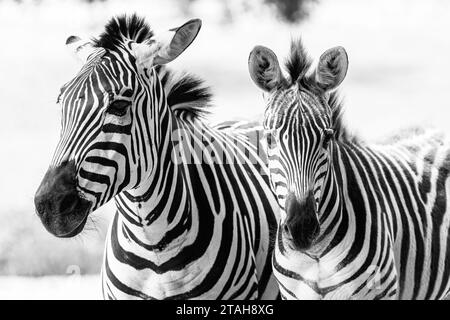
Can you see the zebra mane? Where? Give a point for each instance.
(341, 132)
(297, 65)
(121, 28)
(186, 94)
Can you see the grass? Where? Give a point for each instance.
(26, 249)
(51, 288)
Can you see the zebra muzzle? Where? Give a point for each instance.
(62, 211)
(301, 226)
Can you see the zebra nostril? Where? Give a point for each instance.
(40, 208)
(68, 203)
(43, 204)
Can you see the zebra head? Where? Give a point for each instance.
(298, 126)
(111, 120)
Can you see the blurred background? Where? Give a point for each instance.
(398, 76)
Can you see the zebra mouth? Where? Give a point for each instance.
(75, 231)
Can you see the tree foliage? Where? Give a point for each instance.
(291, 10)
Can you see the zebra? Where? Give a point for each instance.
(358, 220)
(189, 224)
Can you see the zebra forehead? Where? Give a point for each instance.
(302, 107)
(314, 109)
(90, 78)
(104, 72)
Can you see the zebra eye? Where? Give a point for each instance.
(118, 107)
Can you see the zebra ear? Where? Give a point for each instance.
(79, 47)
(332, 68)
(173, 42)
(264, 68)
(166, 46)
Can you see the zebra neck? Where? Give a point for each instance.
(338, 217)
(161, 202)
